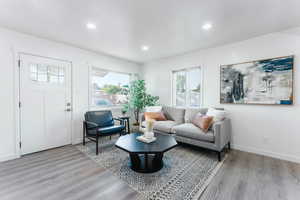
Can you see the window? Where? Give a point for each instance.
(47, 73)
(109, 88)
(187, 87)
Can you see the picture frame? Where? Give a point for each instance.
(259, 82)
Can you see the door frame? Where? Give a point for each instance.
(17, 76)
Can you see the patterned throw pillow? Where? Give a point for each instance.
(203, 122)
(158, 116)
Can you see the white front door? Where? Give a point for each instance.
(45, 97)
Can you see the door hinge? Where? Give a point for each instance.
(20, 144)
(19, 63)
(20, 104)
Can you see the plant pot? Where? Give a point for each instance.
(135, 128)
(136, 124)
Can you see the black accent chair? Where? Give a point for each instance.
(101, 124)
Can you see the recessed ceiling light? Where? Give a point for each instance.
(91, 26)
(207, 26)
(145, 48)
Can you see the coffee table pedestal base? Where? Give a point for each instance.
(146, 163)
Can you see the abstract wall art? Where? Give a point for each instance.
(268, 81)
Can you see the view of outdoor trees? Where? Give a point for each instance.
(110, 89)
(180, 88)
(188, 87)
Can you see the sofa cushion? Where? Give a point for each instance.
(189, 130)
(164, 126)
(174, 114)
(158, 116)
(190, 113)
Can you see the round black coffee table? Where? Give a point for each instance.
(146, 158)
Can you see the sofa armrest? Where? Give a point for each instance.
(121, 121)
(222, 132)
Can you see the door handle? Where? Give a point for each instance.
(68, 110)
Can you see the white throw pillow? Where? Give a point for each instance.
(153, 109)
(219, 115)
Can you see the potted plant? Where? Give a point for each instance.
(139, 99)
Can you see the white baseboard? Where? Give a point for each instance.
(8, 157)
(77, 141)
(267, 153)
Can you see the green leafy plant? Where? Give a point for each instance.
(125, 108)
(139, 99)
(112, 89)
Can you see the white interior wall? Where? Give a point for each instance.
(268, 130)
(11, 43)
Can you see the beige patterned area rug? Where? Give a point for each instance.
(186, 173)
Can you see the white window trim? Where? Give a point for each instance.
(90, 73)
(173, 93)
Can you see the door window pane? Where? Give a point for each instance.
(47, 73)
(53, 73)
(33, 72)
(61, 78)
(42, 73)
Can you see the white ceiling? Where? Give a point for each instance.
(169, 27)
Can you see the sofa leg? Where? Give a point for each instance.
(97, 145)
(229, 146)
(219, 156)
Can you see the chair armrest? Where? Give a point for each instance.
(91, 124)
(120, 120)
(222, 132)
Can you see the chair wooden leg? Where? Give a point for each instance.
(83, 137)
(97, 145)
(229, 146)
(219, 156)
(128, 127)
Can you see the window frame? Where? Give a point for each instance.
(187, 95)
(90, 88)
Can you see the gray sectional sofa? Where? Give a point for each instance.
(179, 124)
